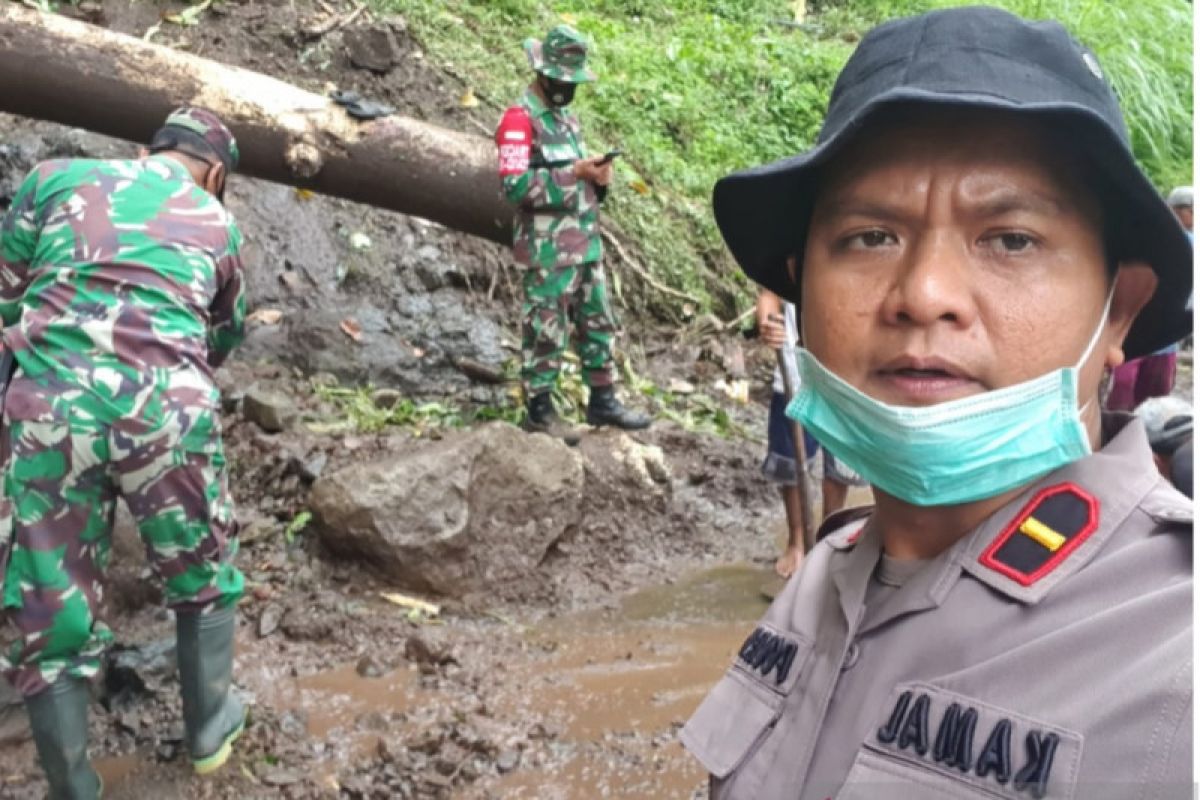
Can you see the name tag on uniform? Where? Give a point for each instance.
(977, 743)
(773, 658)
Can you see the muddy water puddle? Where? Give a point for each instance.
(612, 687)
(115, 769)
(337, 699)
(620, 684)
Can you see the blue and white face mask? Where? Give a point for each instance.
(953, 452)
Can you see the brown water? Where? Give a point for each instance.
(114, 770)
(338, 698)
(615, 685)
(621, 684)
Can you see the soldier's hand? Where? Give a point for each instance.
(773, 331)
(585, 169)
(603, 173)
(590, 169)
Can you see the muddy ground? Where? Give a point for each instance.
(573, 689)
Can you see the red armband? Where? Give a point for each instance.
(514, 138)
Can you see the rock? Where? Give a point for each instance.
(135, 673)
(369, 667)
(166, 751)
(14, 722)
(546, 730)
(268, 410)
(311, 469)
(389, 752)
(294, 724)
(478, 371)
(91, 12)
(386, 398)
(373, 49)
(128, 587)
(508, 761)
(614, 452)
(374, 721)
(128, 720)
(256, 530)
(230, 400)
(656, 464)
(303, 627)
(291, 280)
(269, 619)
(482, 736)
(419, 651)
(449, 759)
(678, 386)
(279, 776)
(477, 510)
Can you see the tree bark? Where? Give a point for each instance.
(57, 69)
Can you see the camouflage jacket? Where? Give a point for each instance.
(120, 288)
(558, 216)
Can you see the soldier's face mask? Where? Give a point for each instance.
(559, 93)
(953, 452)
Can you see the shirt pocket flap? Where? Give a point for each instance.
(732, 721)
(875, 775)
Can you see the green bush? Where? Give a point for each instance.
(693, 89)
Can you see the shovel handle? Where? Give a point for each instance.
(802, 480)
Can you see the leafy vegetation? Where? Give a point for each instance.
(357, 405)
(297, 525)
(693, 89)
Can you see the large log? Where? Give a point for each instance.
(57, 69)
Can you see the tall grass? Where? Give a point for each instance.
(693, 89)
(1145, 49)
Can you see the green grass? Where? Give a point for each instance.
(693, 89)
(1145, 48)
(356, 405)
(354, 408)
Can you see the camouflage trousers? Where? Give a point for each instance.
(61, 481)
(555, 298)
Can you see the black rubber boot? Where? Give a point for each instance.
(58, 717)
(605, 409)
(540, 417)
(212, 716)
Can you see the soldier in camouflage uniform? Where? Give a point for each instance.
(120, 293)
(556, 236)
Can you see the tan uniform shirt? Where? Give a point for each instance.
(1050, 658)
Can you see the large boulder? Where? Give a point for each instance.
(475, 511)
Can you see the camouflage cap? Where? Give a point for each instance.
(561, 56)
(209, 127)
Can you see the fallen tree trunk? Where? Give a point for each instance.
(56, 69)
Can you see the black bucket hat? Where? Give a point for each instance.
(975, 57)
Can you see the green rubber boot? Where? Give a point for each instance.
(58, 717)
(213, 718)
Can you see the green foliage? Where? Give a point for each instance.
(1145, 49)
(298, 524)
(694, 89)
(356, 406)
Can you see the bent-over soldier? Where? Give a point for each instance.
(121, 292)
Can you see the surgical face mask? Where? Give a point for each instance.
(559, 93)
(953, 452)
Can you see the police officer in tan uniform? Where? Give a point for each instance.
(975, 246)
